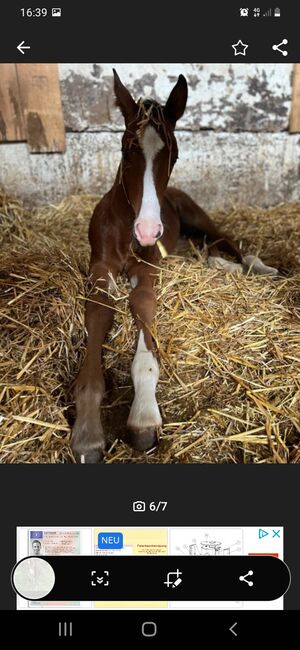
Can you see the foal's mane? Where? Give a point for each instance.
(149, 111)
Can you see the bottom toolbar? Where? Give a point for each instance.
(176, 627)
(192, 578)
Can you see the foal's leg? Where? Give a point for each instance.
(250, 264)
(215, 261)
(194, 219)
(88, 441)
(144, 417)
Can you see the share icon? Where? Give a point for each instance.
(244, 578)
(277, 47)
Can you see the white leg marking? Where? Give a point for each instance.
(134, 281)
(255, 265)
(82, 458)
(224, 265)
(144, 411)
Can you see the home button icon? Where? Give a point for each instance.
(149, 628)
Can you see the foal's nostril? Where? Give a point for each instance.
(137, 230)
(158, 234)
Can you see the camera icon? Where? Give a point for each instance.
(139, 506)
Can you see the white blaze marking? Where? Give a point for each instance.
(151, 144)
(144, 411)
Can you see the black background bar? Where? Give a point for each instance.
(70, 495)
(156, 32)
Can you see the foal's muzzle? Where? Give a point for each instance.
(147, 232)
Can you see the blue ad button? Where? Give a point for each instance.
(110, 540)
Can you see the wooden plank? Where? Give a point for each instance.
(294, 126)
(41, 101)
(11, 114)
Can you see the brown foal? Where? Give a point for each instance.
(126, 224)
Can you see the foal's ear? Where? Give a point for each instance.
(176, 103)
(124, 100)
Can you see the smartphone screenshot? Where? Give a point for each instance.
(150, 332)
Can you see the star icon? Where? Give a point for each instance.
(240, 48)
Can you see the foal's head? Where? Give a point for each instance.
(149, 152)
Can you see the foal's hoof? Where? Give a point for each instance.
(143, 439)
(253, 264)
(92, 456)
(87, 443)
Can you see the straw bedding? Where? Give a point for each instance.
(228, 345)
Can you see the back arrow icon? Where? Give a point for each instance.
(231, 629)
(21, 47)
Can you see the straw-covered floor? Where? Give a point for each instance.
(228, 345)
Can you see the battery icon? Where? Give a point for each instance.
(277, 12)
